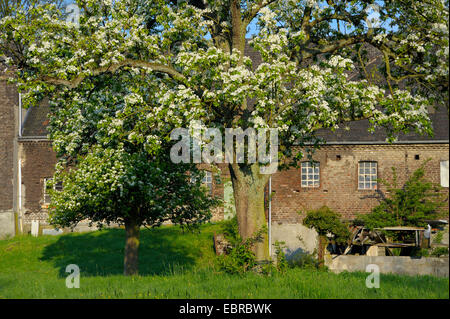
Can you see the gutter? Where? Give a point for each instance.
(382, 143)
(33, 138)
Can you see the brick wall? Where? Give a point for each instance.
(38, 161)
(8, 103)
(339, 178)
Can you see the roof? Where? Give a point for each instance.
(358, 131)
(35, 121)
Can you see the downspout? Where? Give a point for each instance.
(19, 168)
(20, 114)
(20, 196)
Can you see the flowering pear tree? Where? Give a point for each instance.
(185, 61)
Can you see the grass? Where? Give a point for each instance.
(174, 264)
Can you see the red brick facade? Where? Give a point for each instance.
(8, 103)
(38, 161)
(338, 187)
(8, 158)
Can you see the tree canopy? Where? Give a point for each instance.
(185, 61)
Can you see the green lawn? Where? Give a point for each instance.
(173, 264)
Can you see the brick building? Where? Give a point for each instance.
(344, 178)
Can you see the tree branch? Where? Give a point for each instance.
(251, 14)
(157, 67)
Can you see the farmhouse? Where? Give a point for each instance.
(344, 176)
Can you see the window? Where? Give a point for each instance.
(310, 174)
(367, 177)
(57, 187)
(444, 173)
(206, 181)
(46, 194)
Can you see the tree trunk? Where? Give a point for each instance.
(130, 264)
(248, 189)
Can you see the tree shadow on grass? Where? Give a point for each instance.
(100, 253)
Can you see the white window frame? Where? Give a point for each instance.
(46, 196)
(207, 181)
(310, 174)
(367, 177)
(444, 173)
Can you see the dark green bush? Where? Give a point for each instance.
(325, 221)
(230, 230)
(439, 251)
(305, 260)
(420, 252)
(240, 258)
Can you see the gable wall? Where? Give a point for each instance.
(8, 146)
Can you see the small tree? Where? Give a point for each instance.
(325, 221)
(408, 205)
(114, 186)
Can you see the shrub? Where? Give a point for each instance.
(419, 252)
(325, 221)
(230, 230)
(282, 263)
(240, 258)
(305, 260)
(439, 251)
